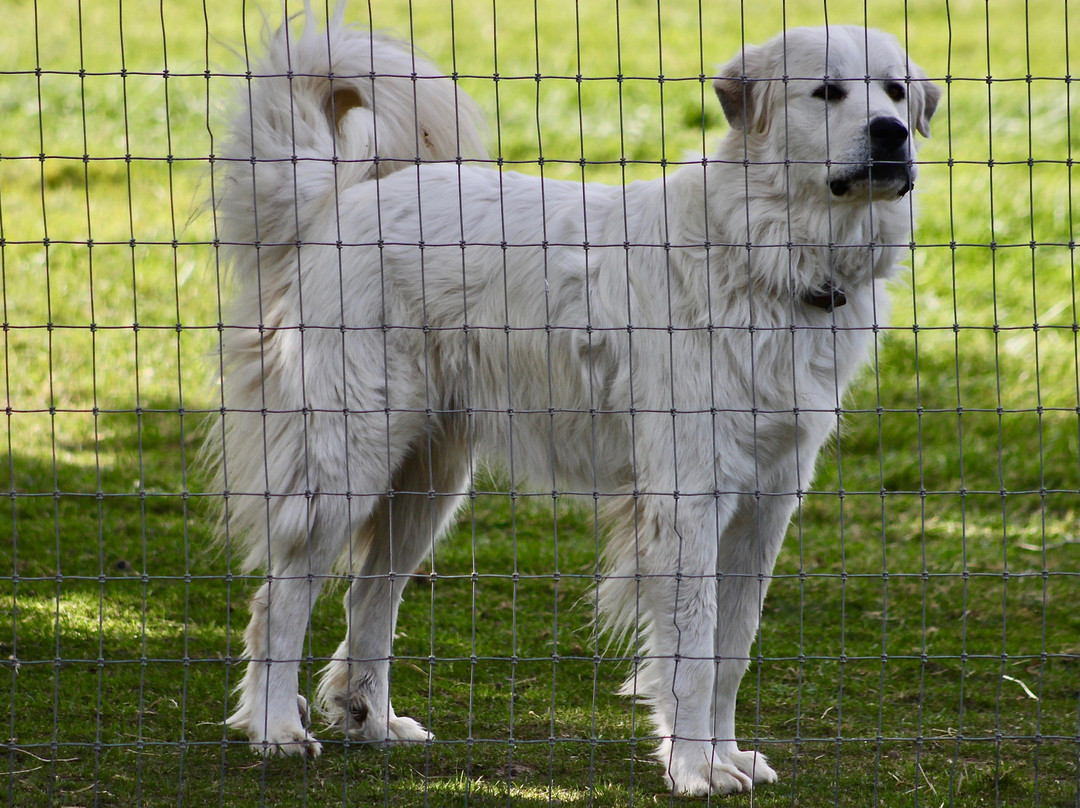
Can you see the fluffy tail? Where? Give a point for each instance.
(322, 110)
(325, 109)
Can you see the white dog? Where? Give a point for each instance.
(678, 348)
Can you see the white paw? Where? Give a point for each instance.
(404, 730)
(697, 769)
(279, 735)
(286, 742)
(351, 713)
(752, 764)
(396, 729)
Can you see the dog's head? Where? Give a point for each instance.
(838, 105)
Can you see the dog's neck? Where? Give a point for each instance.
(835, 249)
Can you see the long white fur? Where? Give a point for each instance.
(404, 310)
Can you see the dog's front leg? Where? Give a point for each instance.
(746, 555)
(678, 595)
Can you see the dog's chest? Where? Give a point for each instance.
(781, 383)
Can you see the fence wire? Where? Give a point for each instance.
(919, 643)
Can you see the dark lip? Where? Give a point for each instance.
(892, 178)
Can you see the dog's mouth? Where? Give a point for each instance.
(880, 179)
(884, 169)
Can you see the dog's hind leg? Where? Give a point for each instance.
(354, 693)
(271, 711)
(319, 493)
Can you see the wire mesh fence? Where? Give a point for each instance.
(919, 643)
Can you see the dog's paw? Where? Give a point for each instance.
(392, 729)
(752, 764)
(696, 768)
(280, 735)
(701, 774)
(351, 714)
(287, 742)
(405, 730)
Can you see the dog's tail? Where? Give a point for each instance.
(323, 110)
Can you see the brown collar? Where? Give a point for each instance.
(826, 297)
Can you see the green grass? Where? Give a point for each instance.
(951, 680)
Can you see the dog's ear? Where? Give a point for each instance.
(924, 98)
(742, 88)
(930, 96)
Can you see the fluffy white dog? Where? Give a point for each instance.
(678, 348)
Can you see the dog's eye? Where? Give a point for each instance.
(830, 91)
(895, 90)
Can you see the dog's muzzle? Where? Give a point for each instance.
(887, 170)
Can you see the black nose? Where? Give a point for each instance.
(887, 134)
